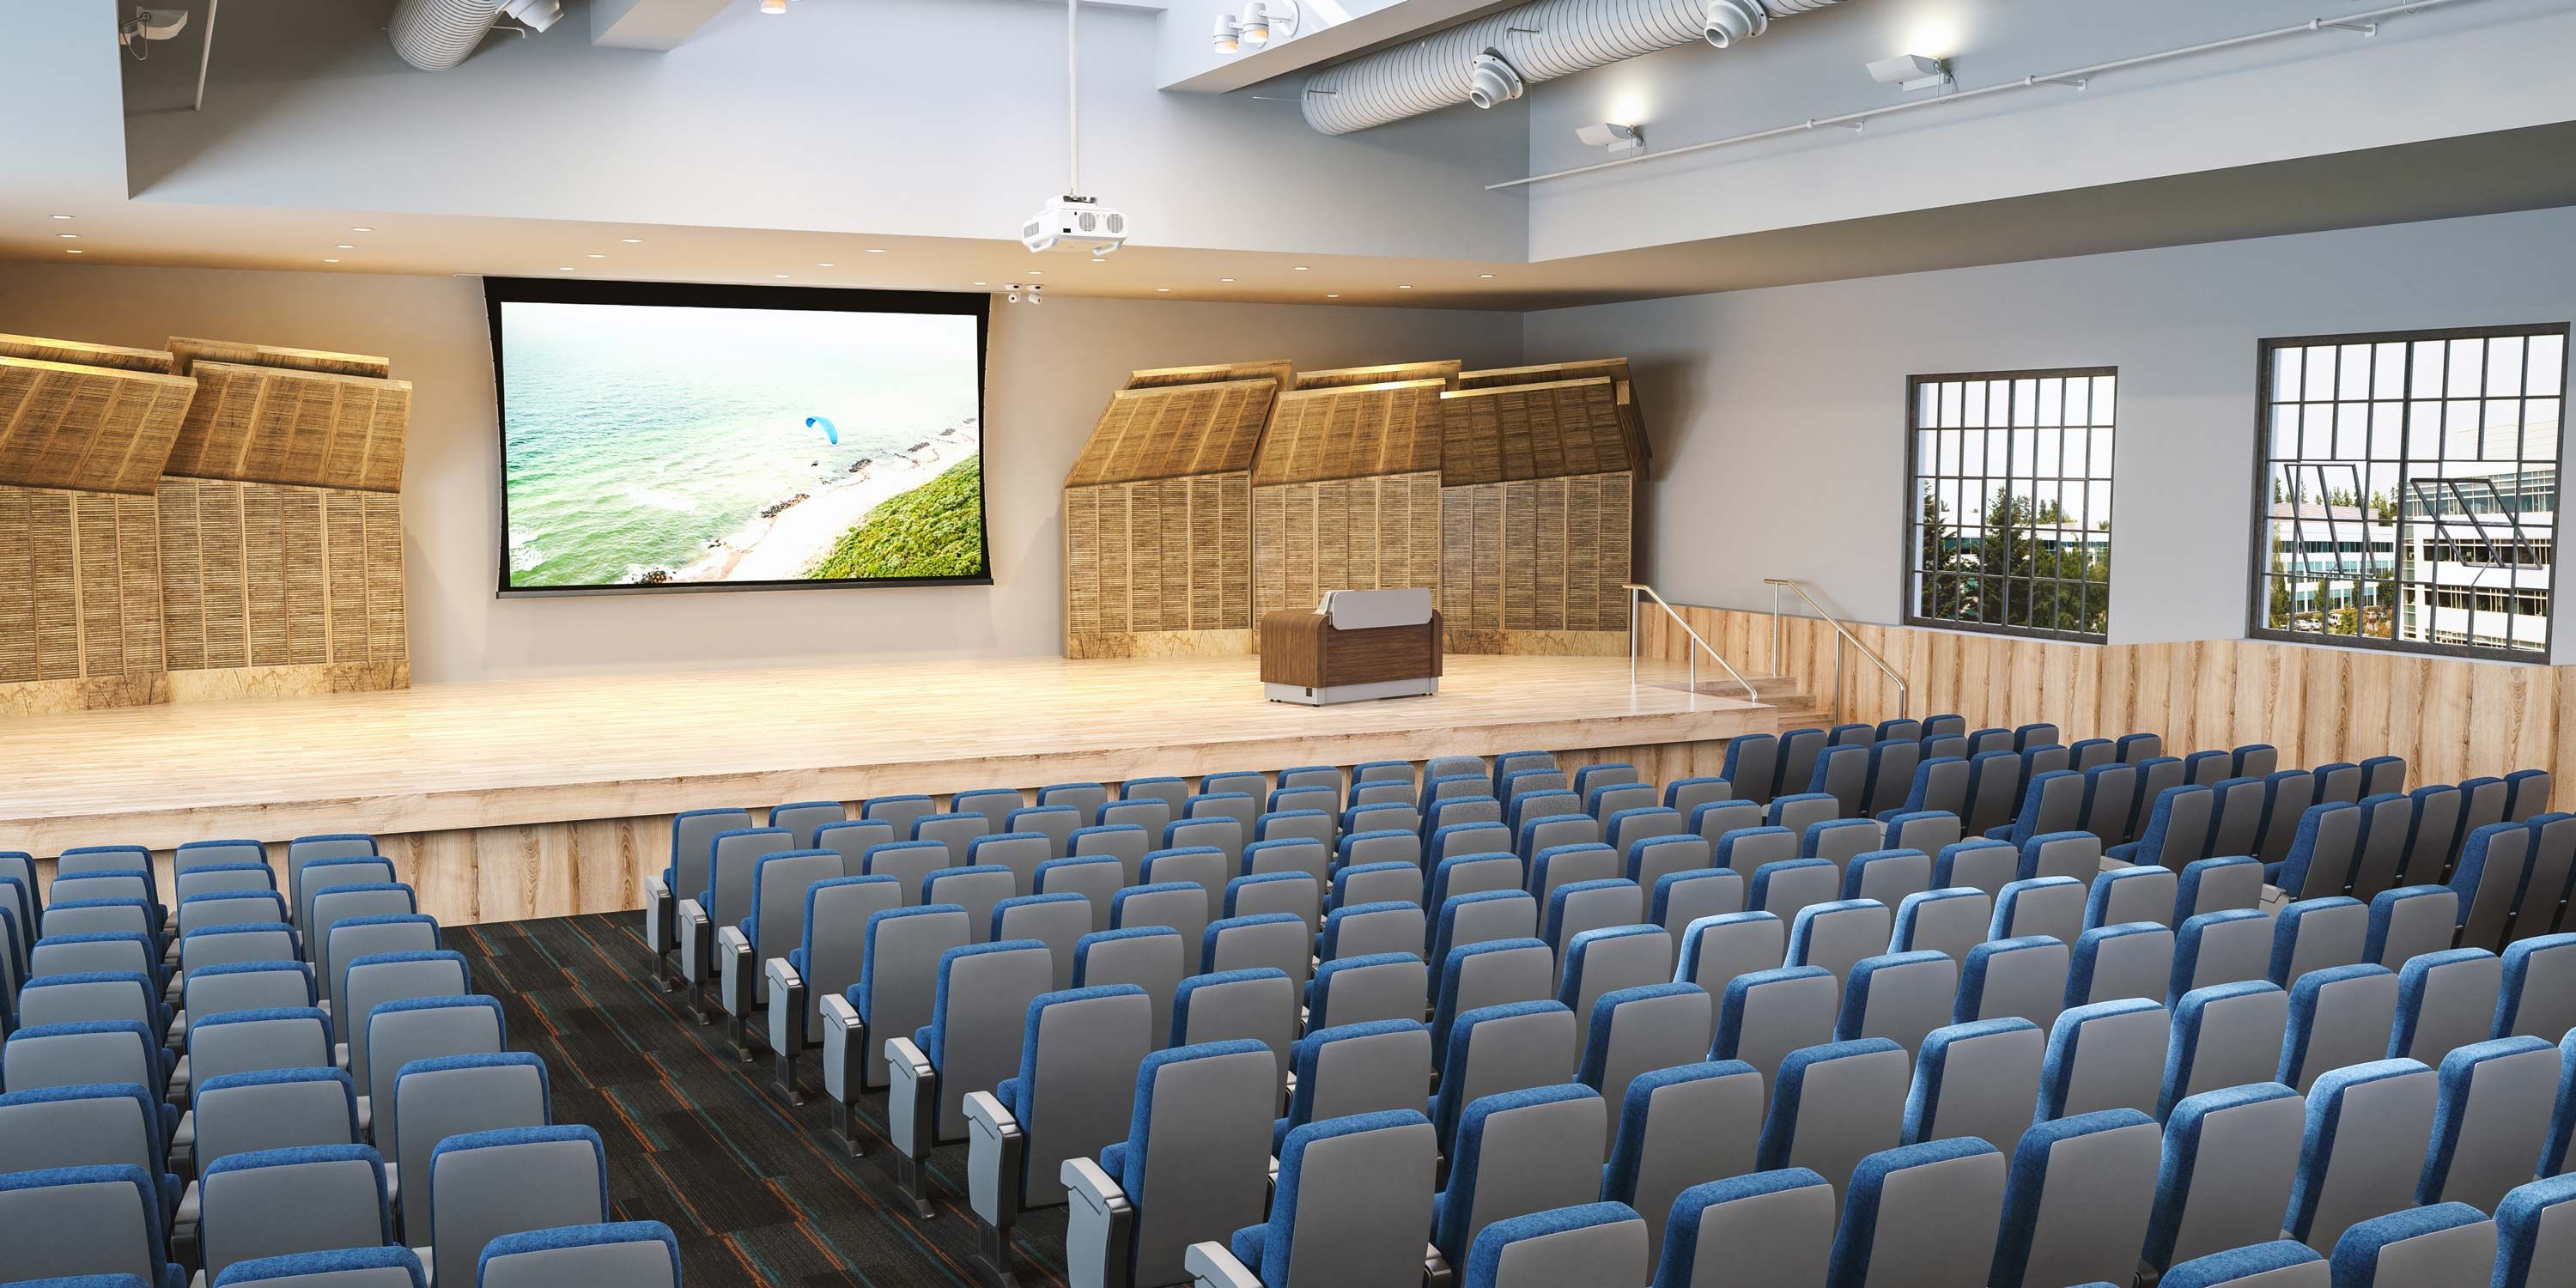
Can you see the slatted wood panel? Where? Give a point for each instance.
(79, 590)
(88, 428)
(1340, 432)
(188, 351)
(1159, 555)
(1274, 370)
(1537, 555)
(1172, 431)
(1344, 534)
(261, 575)
(87, 355)
(1547, 430)
(275, 425)
(2451, 719)
(1445, 371)
(1623, 391)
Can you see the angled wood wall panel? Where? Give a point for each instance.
(87, 428)
(274, 425)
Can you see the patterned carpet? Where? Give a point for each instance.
(699, 1142)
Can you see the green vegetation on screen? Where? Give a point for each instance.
(935, 530)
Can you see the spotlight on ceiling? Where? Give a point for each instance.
(773, 6)
(1911, 72)
(1260, 23)
(1617, 140)
(1229, 35)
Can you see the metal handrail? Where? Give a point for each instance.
(1842, 636)
(1637, 588)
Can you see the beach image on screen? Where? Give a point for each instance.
(649, 445)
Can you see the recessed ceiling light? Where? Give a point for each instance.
(72, 250)
(62, 216)
(362, 230)
(876, 250)
(328, 260)
(344, 246)
(1162, 290)
(1332, 295)
(1037, 272)
(1298, 269)
(782, 277)
(1484, 275)
(632, 241)
(1098, 260)
(565, 269)
(1225, 279)
(599, 257)
(983, 283)
(826, 264)
(1406, 286)
(68, 236)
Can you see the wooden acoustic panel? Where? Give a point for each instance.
(1274, 370)
(75, 353)
(1632, 421)
(79, 586)
(1175, 431)
(1545, 555)
(1549, 430)
(263, 575)
(96, 429)
(1351, 431)
(1445, 371)
(1344, 534)
(188, 351)
(276, 425)
(1158, 555)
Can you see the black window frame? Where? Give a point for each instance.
(1908, 567)
(2258, 569)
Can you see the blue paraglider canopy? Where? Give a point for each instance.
(828, 430)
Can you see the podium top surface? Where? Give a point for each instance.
(1360, 610)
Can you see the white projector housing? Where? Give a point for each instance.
(1072, 222)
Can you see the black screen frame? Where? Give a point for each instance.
(498, 291)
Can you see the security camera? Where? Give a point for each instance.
(1728, 21)
(1072, 222)
(1492, 79)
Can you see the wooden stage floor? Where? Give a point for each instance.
(538, 755)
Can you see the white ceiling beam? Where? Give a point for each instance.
(650, 24)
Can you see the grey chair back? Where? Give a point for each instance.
(2437, 825)
(1097, 878)
(2493, 1111)
(334, 873)
(1930, 831)
(1058, 921)
(1299, 896)
(1532, 1154)
(105, 1126)
(1680, 898)
(424, 1029)
(334, 906)
(1765, 1015)
(898, 812)
(2024, 977)
(2106, 1055)
(2369, 1126)
(1717, 818)
(1834, 1105)
(2051, 906)
(2488, 888)
(851, 839)
(2217, 948)
(835, 940)
(1084, 798)
(994, 803)
(214, 880)
(279, 1202)
(235, 944)
(900, 977)
(306, 850)
(2550, 862)
(489, 1184)
(2110, 793)
(957, 831)
(1635, 1031)
(1950, 921)
(2288, 794)
(2410, 921)
(2233, 1156)
(735, 853)
(693, 836)
(1360, 1069)
(982, 1002)
(199, 854)
(2077, 1203)
(352, 939)
(2339, 1017)
(255, 986)
(1363, 1200)
(400, 977)
(2445, 1001)
(1077, 1081)
(1254, 1004)
(1152, 958)
(281, 1109)
(1021, 852)
(978, 890)
(1376, 986)
(1683, 1126)
(38, 1057)
(452, 1096)
(1506, 972)
(1279, 941)
(1181, 905)
(2380, 845)
(2237, 817)
(1217, 1106)
(231, 908)
(624, 1255)
(104, 1220)
(778, 919)
(1209, 867)
(1978, 1079)
(910, 863)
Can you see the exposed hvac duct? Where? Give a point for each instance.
(1489, 60)
(434, 35)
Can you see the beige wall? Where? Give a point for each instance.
(1050, 370)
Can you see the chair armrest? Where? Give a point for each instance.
(657, 915)
(786, 1007)
(1435, 1268)
(912, 1098)
(696, 936)
(845, 1045)
(1099, 1228)
(994, 1148)
(734, 970)
(1212, 1266)
(188, 1206)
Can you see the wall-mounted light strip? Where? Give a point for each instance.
(2365, 24)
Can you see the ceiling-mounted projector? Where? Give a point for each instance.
(1072, 222)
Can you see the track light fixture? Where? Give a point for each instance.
(1911, 72)
(1618, 140)
(1262, 22)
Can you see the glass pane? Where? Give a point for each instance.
(2424, 378)
(2052, 402)
(2548, 363)
(2105, 394)
(2387, 430)
(2079, 401)
(1974, 394)
(2352, 368)
(2388, 371)
(1949, 406)
(2467, 364)
(2504, 366)
(2285, 372)
(2321, 374)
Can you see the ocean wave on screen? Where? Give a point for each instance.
(659, 499)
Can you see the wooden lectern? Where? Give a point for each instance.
(1356, 645)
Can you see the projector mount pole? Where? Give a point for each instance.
(1072, 100)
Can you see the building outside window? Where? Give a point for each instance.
(2409, 490)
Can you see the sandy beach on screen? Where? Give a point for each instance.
(787, 545)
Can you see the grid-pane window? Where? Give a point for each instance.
(2410, 489)
(2010, 527)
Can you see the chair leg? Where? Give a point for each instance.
(907, 1178)
(993, 1253)
(741, 1040)
(784, 1079)
(845, 1130)
(662, 973)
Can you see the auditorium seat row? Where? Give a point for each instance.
(343, 1107)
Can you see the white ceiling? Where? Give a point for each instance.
(531, 159)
